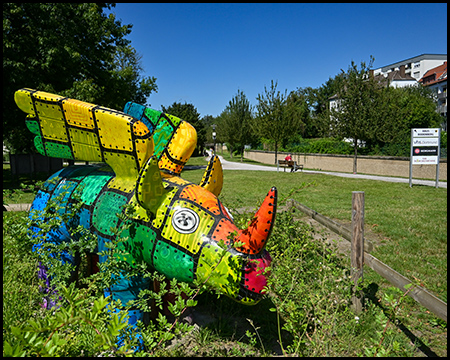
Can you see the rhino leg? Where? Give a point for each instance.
(127, 290)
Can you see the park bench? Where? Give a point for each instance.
(289, 164)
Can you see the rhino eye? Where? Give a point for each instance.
(185, 221)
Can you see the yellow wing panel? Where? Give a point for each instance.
(24, 102)
(73, 129)
(114, 130)
(79, 113)
(85, 145)
(53, 129)
(50, 110)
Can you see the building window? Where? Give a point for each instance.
(416, 65)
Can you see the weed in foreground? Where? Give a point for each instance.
(82, 321)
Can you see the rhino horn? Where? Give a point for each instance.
(260, 227)
(213, 177)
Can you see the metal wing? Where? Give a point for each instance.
(72, 129)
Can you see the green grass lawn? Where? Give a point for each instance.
(411, 223)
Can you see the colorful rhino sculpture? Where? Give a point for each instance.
(139, 155)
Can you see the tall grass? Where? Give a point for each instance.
(306, 311)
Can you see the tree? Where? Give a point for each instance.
(320, 109)
(72, 49)
(307, 99)
(357, 116)
(189, 113)
(276, 118)
(413, 107)
(407, 108)
(235, 125)
(372, 111)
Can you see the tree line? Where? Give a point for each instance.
(71, 49)
(369, 112)
(95, 63)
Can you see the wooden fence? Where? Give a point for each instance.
(25, 164)
(360, 257)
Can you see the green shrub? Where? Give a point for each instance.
(319, 146)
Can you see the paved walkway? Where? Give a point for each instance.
(17, 207)
(230, 165)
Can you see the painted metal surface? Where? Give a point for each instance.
(139, 155)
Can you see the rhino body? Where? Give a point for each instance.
(176, 225)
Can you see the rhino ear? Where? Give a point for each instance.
(213, 177)
(150, 191)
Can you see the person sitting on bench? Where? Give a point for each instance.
(289, 158)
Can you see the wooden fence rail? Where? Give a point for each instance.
(330, 224)
(418, 293)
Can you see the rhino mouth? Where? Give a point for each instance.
(254, 239)
(254, 284)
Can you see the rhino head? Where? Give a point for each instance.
(195, 237)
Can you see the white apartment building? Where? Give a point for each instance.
(416, 67)
(427, 69)
(436, 80)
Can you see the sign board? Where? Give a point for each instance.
(425, 149)
(424, 160)
(426, 132)
(425, 146)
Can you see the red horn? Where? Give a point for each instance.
(260, 227)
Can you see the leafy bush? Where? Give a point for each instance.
(311, 288)
(319, 146)
(83, 321)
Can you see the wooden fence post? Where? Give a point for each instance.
(418, 293)
(357, 247)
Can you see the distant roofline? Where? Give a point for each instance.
(414, 58)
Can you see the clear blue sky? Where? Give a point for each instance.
(203, 53)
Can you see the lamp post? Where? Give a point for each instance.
(214, 137)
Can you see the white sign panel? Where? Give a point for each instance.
(426, 141)
(425, 149)
(425, 160)
(425, 133)
(425, 146)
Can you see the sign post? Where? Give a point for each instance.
(425, 150)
